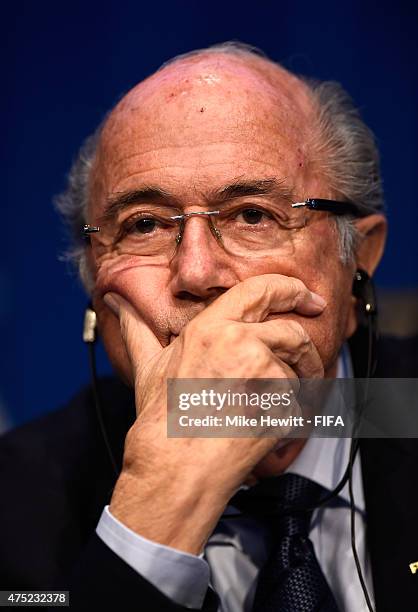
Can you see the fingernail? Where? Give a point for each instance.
(318, 300)
(112, 300)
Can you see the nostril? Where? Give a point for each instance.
(189, 297)
(205, 296)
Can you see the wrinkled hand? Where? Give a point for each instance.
(173, 490)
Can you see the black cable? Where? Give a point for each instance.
(98, 404)
(353, 451)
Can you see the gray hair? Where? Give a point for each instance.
(345, 151)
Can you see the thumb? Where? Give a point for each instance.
(141, 343)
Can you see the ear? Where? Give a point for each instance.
(372, 230)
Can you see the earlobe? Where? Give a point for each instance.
(372, 230)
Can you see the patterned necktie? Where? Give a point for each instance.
(291, 580)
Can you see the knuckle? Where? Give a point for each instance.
(298, 289)
(232, 334)
(261, 288)
(261, 301)
(260, 362)
(302, 337)
(253, 353)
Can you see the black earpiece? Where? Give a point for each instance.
(363, 290)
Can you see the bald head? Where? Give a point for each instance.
(202, 109)
(205, 74)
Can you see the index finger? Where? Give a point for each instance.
(256, 297)
(140, 341)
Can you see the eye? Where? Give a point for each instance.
(253, 216)
(146, 225)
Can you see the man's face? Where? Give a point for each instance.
(190, 130)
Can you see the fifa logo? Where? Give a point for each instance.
(413, 567)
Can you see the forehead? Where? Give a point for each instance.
(204, 121)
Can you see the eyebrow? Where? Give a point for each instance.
(148, 194)
(245, 188)
(240, 188)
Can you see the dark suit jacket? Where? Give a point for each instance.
(56, 478)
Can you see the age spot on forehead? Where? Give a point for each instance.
(300, 157)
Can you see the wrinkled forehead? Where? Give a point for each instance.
(201, 103)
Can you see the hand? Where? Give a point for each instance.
(173, 490)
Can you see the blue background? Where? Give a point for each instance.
(67, 63)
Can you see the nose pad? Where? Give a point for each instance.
(207, 215)
(199, 230)
(215, 231)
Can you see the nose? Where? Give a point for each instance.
(201, 269)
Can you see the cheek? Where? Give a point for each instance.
(330, 329)
(139, 282)
(330, 279)
(316, 262)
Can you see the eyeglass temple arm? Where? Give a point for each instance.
(89, 229)
(336, 207)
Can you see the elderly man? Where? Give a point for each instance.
(200, 267)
